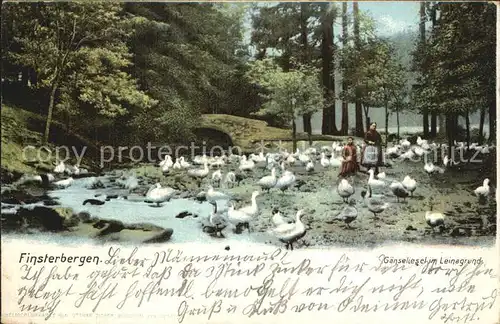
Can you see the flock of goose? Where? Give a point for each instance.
(280, 179)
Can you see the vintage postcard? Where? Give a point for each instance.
(249, 162)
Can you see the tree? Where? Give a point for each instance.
(345, 105)
(328, 69)
(288, 94)
(357, 42)
(63, 40)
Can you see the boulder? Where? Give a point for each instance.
(45, 218)
(160, 238)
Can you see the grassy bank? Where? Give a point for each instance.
(20, 129)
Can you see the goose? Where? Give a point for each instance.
(345, 189)
(239, 217)
(483, 190)
(420, 141)
(310, 166)
(64, 183)
(419, 151)
(409, 184)
(217, 163)
(409, 155)
(304, 158)
(277, 218)
(405, 143)
(177, 164)
(72, 170)
(325, 163)
(199, 174)
(381, 175)
(430, 168)
(485, 150)
(374, 204)
(167, 161)
(246, 165)
(290, 160)
(165, 169)
(268, 182)
(374, 183)
(93, 183)
(213, 196)
(60, 168)
(348, 214)
(184, 164)
(217, 221)
(293, 234)
(433, 218)
(285, 181)
(217, 177)
(158, 194)
(335, 161)
(399, 190)
(393, 151)
(253, 209)
(230, 178)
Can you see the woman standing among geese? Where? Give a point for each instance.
(372, 156)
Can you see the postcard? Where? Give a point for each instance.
(249, 162)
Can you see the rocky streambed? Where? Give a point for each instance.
(30, 210)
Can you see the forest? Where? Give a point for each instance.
(129, 73)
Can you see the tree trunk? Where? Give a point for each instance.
(345, 105)
(433, 124)
(449, 135)
(357, 43)
(481, 125)
(294, 136)
(329, 114)
(425, 111)
(467, 128)
(367, 120)
(386, 123)
(397, 120)
(442, 124)
(306, 118)
(52, 97)
(492, 121)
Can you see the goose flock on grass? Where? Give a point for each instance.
(281, 173)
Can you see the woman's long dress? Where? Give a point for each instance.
(372, 154)
(351, 166)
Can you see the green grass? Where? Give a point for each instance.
(16, 135)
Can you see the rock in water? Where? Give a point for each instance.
(160, 238)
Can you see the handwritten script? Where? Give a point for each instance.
(176, 284)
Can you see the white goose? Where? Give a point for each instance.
(277, 218)
(184, 164)
(238, 217)
(374, 183)
(246, 165)
(217, 221)
(381, 175)
(290, 234)
(399, 190)
(304, 158)
(230, 179)
(217, 177)
(409, 184)
(374, 204)
(433, 218)
(253, 209)
(158, 194)
(64, 183)
(335, 161)
(60, 168)
(345, 190)
(268, 182)
(348, 214)
(213, 196)
(325, 162)
(484, 190)
(165, 168)
(405, 143)
(285, 181)
(310, 166)
(290, 160)
(177, 164)
(167, 161)
(199, 174)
